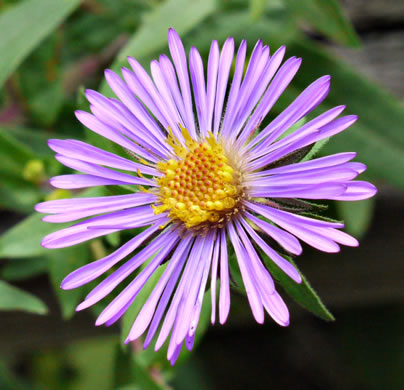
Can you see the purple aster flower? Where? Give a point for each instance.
(207, 179)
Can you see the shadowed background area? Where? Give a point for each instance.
(52, 50)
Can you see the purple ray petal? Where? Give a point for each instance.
(82, 204)
(261, 86)
(256, 67)
(270, 213)
(357, 190)
(82, 181)
(127, 201)
(213, 66)
(234, 90)
(170, 78)
(163, 88)
(94, 124)
(285, 239)
(314, 124)
(247, 275)
(192, 288)
(299, 142)
(323, 162)
(117, 115)
(128, 295)
(165, 298)
(180, 61)
(282, 263)
(88, 153)
(339, 236)
(282, 79)
(173, 310)
(93, 270)
(125, 94)
(201, 294)
(141, 85)
(261, 274)
(224, 297)
(226, 59)
(165, 240)
(198, 83)
(175, 354)
(213, 279)
(146, 313)
(306, 175)
(81, 232)
(96, 170)
(310, 98)
(302, 227)
(335, 174)
(173, 345)
(276, 308)
(310, 191)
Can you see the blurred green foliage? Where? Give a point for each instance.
(51, 50)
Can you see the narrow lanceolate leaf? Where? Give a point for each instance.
(12, 298)
(24, 239)
(34, 141)
(377, 136)
(152, 35)
(327, 17)
(14, 153)
(23, 269)
(315, 149)
(356, 215)
(257, 8)
(23, 27)
(302, 293)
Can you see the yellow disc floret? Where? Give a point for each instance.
(200, 185)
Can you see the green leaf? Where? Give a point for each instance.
(182, 15)
(24, 268)
(356, 215)
(315, 149)
(327, 17)
(114, 239)
(8, 378)
(35, 140)
(257, 8)
(152, 34)
(23, 27)
(60, 263)
(92, 362)
(293, 128)
(18, 195)
(145, 380)
(129, 387)
(377, 136)
(275, 28)
(24, 239)
(12, 298)
(103, 143)
(302, 293)
(14, 153)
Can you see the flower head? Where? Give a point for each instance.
(207, 179)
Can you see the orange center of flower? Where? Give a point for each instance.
(200, 185)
